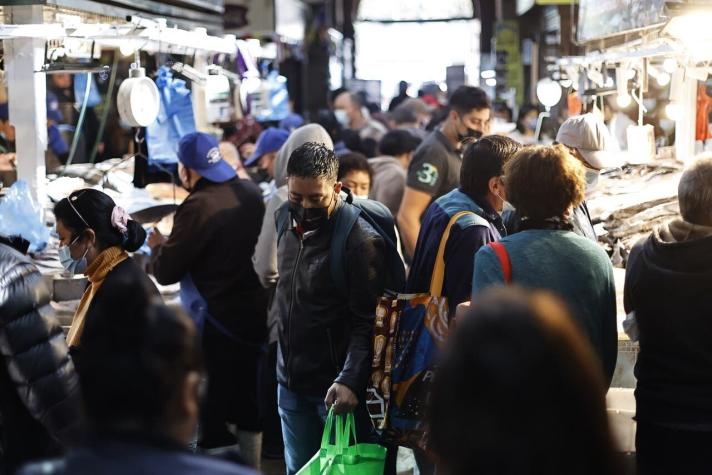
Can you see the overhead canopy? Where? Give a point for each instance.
(187, 14)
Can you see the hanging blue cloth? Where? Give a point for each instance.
(175, 118)
(80, 86)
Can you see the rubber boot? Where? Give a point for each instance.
(250, 447)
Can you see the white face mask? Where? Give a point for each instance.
(592, 177)
(362, 197)
(342, 117)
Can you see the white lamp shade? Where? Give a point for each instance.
(548, 92)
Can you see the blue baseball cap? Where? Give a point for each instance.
(270, 140)
(291, 122)
(201, 152)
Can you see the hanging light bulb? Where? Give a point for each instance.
(548, 92)
(127, 48)
(623, 100)
(663, 79)
(670, 65)
(672, 110)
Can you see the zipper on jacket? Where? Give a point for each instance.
(289, 316)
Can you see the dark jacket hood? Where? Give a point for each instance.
(680, 247)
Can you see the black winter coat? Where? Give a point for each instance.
(325, 336)
(39, 388)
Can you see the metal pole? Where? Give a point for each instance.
(27, 93)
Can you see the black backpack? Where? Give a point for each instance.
(374, 213)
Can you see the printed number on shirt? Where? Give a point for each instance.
(428, 174)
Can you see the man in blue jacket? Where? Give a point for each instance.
(482, 195)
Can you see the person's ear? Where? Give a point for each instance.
(89, 237)
(337, 187)
(494, 185)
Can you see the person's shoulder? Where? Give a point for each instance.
(248, 186)
(130, 270)
(431, 142)
(588, 248)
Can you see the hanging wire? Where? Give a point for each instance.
(80, 124)
(105, 111)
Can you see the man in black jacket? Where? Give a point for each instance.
(669, 288)
(39, 389)
(325, 334)
(210, 252)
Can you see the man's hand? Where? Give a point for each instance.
(342, 398)
(247, 149)
(7, 162)
(156, 239)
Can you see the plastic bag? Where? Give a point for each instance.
(175, 118)
(344, 457)
(21, 216)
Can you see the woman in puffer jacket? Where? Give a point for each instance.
(39, 388)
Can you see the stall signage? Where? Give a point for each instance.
(604, 18)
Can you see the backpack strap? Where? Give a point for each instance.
(346, 218)
(281, 220)
(503, 256)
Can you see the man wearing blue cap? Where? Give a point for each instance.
(268, 144)
(209, 252)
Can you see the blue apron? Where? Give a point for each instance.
(197, 308)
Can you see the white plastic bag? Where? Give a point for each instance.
(21, 216)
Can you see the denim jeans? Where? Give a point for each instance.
(303, 419)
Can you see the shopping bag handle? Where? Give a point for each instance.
(438, 277)
(327, 429)
(345, 430)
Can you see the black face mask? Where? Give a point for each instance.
(309, 219)
(469, 133)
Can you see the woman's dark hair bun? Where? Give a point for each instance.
(135, 236)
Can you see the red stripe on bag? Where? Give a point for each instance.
(503, 256)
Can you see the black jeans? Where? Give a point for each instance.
(662, 451)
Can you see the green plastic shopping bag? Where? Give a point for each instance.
(342, 458)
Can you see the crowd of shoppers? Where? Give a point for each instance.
(269, 337)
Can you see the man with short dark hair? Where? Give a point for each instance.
(668, 289)
(481, 195)
(325, 334)
(351, 112)
(435, 169)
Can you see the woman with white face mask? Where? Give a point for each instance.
(95, 236)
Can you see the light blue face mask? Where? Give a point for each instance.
(73, 266)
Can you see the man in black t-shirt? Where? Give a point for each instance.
(435, 168)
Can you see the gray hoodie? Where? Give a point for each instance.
(265, 257)
(388, 185)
